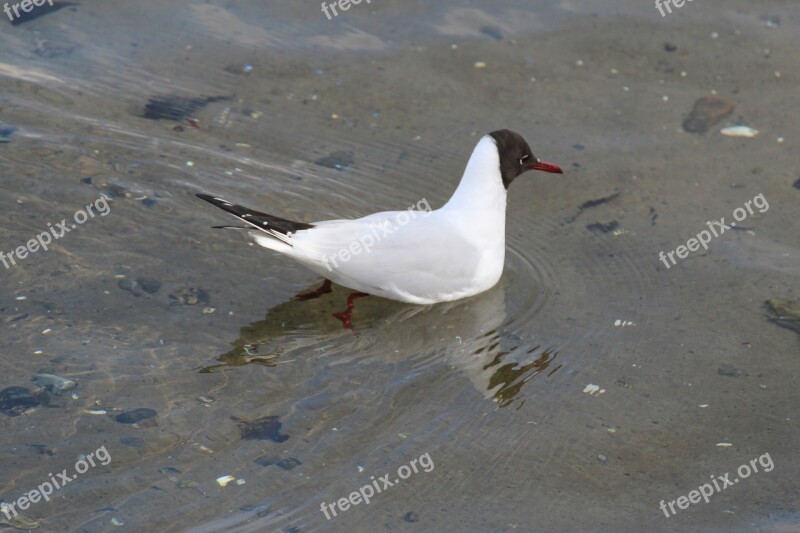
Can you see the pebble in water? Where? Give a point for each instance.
(18, 521)
(53, 383)
(6, 132)
(189, 296)
(137, 415)
(739, 131)
(706, 112)
(172, 107)
(133, 442)
(139, 285)
(16, 400)
(784, 313)
(265, 428)
(336, 160)
(492, 31)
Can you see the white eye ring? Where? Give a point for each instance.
(522, 161)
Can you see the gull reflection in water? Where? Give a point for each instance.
(468, 335)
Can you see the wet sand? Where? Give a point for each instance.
(148, 307)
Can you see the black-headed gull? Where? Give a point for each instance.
(419, 257)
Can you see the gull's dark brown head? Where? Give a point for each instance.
(516, 156)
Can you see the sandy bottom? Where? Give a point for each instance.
(591, 384)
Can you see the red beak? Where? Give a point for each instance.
(544, 166)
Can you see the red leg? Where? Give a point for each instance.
(325, 288)
(347, 315)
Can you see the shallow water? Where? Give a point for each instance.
(492, 388)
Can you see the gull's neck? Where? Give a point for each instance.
(481, 192)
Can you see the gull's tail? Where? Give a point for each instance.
(277, 228)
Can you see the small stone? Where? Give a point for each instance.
(17, 521)
(16, 400)
(133, 442)
(149, 285)
(739, 131)
(603, 459)
(265, 428)
(205, 449)
(492, 31)
(730, 371)
(599, 227)
(785, 313)
(53, 383)
(288, 463)
(669, 47)
(223, 481)
(336, 160)
(172, 107)
(140, 285)
(189, 296)
(137, 415)
(6, 132)
(707, 111)
(411, 516)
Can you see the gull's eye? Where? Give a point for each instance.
(522, 161)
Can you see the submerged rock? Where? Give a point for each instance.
(730, 371)
(133, 442)
(265, 428)
(189, 296)
(493, 31)
(139, 285)
(739, 131)
(171, 107)
(287, 464)
(137, 415)
(18, 521)
(707, 111)
(6, 132)
(16, 400)
(53, 383)
(599, 227)
(336, 160)
(784, 313)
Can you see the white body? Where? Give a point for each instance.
(442, 255)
